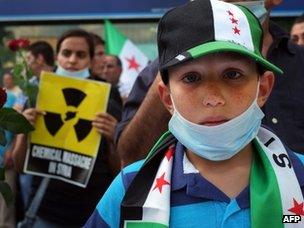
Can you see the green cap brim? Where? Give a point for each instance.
(222, 46)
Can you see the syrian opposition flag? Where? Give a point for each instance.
(156, 206)
(133, 60)
(146, 203)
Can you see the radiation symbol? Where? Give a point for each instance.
(54, 121)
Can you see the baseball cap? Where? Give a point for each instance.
(202, 27)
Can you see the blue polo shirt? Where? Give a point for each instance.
(195, 202)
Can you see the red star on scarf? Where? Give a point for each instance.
(230, 13)
(169, 153)
(297, 208)
(160, 182)
(236, 30)
(132, 63)
(233, 20)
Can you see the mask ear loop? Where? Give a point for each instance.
(173, 105)
(258, 91)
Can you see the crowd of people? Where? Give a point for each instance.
(211, 134)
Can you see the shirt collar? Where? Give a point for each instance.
(178, 178)
(195, 184)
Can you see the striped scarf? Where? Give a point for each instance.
(271, 197)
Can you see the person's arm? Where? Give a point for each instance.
(150, 120)
(105, 124)
(19, 152)
(20, 144)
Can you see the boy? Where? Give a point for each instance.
(216, 167)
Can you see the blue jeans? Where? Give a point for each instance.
(25, 181)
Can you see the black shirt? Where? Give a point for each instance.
(284, 110)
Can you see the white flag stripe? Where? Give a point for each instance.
(289, 185)
(129, 76)
(156, 201)
(224, 28)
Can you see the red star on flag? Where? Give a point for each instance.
(169, 153)
(133, 64)
(160, 182)
(297, 208)
(230, 13)
(234, 21)
(236, 30)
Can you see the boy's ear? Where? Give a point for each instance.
(266, 84)
(164, 94)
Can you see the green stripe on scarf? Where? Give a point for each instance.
(265, 198)
(158, 144)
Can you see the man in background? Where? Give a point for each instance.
(98, 68)
(112, 69)
(97, 61)
(297, 31)
(39, 57)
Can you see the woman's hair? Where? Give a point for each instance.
(77, 33)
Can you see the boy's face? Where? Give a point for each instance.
(215, 88)
(74, 54)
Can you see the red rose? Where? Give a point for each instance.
(23, 43)
(13, 45)
(17, 44)
(3, 97)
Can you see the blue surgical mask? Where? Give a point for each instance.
(77, 74)
(256, 7)
(220, 142)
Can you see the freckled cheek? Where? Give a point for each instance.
(187, 103)
(240, 102)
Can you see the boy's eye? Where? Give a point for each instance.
(232, 74)
(191, 77)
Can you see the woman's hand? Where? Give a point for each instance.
(31, 114)
(105, 124)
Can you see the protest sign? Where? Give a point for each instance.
(64, 144)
